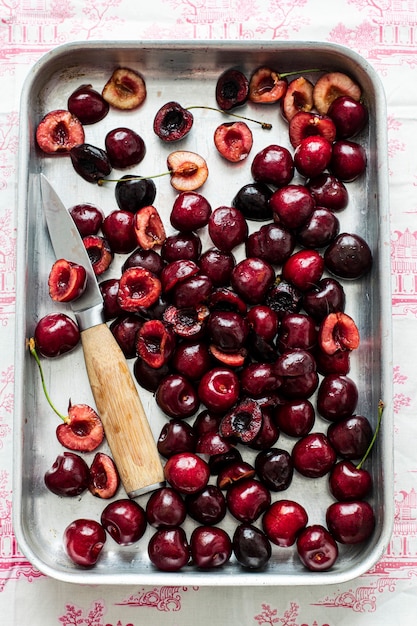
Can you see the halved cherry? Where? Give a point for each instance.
(104, 477)
(338, 331)
(67, 281)
(172, 122)
(82, 429)
(188, 170)
(306, 123)
(59, 131)
(188, 322)
(149, 229)
(99, 252)
(298, 97)
(332, 85)
(233, 140)
(232, 89)
(155, 343)
(125, 89)
(236, 358)
(138, 288)
(266, 86)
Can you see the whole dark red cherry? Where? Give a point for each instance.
(134, 193)
(328, 191)
(251, 547)
(119, 232)
(272, 243)
(176, 436)
(217, 265)
(206, 422)
(258, 379)
(227, 330)
(350, 116)
(263, 321)
(87, 217)
(283, 521)
(316, 548)
(210, 547)
(168, 549)
(247, 499)
(313, 455)
(319, 230)
(296, 417)
(350, 436)
(125, 329)
(348, 160)
(187, 472)
(251, 279)
(351, 522)
(124, 147)
(192, 291)
(147, 376)
(90, 162)
(337, 397)
(87, 104)
(303, 269)
(124, 520)
(219, 389)
(56, 334)
(208, 506)
(83, 541)
(190, 211)
(273, 165)
(109, 289)
(348, 256)
(149, 259)
(327, 296)
(68, 476)
(252, 200)
(227, 228)
(349, 482)
(185, 246)
(177, 397)
(296, 330)
(274, 468)
(312, 155)
(192, 359)
(165, 508)
(336, 363)
(292, 205)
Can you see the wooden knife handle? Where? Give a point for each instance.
(118, 403)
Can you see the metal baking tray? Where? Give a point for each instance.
(186, 72)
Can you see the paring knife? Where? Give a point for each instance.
(117, 401)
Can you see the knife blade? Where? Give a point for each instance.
(126, 426)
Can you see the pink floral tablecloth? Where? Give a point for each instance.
(385, 33)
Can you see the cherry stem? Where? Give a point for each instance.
(314, 69)
(265, 125)
(32, 350)
(365, 456)
(101, 181)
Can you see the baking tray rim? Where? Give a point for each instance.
(385, 439)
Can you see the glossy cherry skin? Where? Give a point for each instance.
(124, 147)
(168, 549)
(186, 472)
(327, 296)
(296, 417)
(217, 265)
(219, 389)
(348, 482)
(350, 436)
(247, 500)
(348, 256)
(210, 547)
(264, 321)
(251, 279)
(124, 520)
(68, 476)
(316, 548)
(273, 165)
(296, 331)
(292, 205)
(283, 521)
(350, 522)
(303, 269)
(177, 397)
(337, 397)
(165, 508)
(272, 243)
(313, 455)
(274, 468)
(348, 160)
(83, 541)
(227, 228)
(87, 217)
(176, 436)
(118, 229)
(190, 211)
(56, 334)
(87, 104)
(208, 507)
(349, 116)
(251, 547)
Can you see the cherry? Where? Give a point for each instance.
(124, 520)
(124, 329)
(176, 396)
(119, 232)
(266, 85)
(83, 541)
(319, 230)
(192, 359)
(273, 165)
(227, 330)
(349, 115)
(243, 422)
(251, 547)
(133, 193)
(176, 271)
(87, 217)
(233, 472)
(99, 253)
(149, 229)
(172, 122)
(155, 343)
(206, 422)
(109, 289)
(188, 170)
(219, 389)
(138, 288)
(272, 243)
(90, 162)
(338, 331)
(124, 147)
(211, 443)
(176, 436)
(218, 462)
(283, 521)
(165, 508)
(185, 246)
(336, 363)
(274, 468)
(208, 506)
(313, 455)
(232, 89)
(192, 291)
(292, 205)
(348, 160)
(316, 548)
(82, 429)
(56, 334)
(298, 97)
(87, 104)
(125, 89)
(303, 269)
(148, 377)
(328, 191)
(104, 477)
(252, 200)
(233, 141)
(68, 476)
(168, 549)
(312, 155)
(297, 330)
(268, 434)
(251, 278)
(350, 522)
(348, 256)
(351, 436)
(332, 85)
(295, 418)
(66, 281)
(337, 397)
(59, 131)
(348, 482)
(263, 321)
(186, 472)
(247, 499)
(217, 265)
(326, 297)
(227, 228)
(210, 547)
(308, 124)
(190, 211)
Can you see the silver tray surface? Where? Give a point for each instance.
(186, 72)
